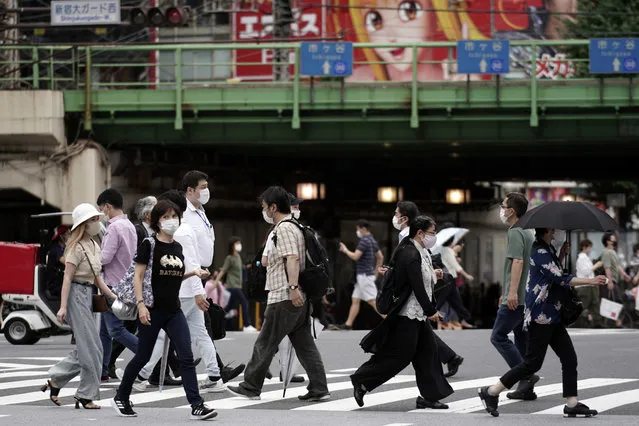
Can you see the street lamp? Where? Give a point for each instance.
(389, 194)
(457, 196)
(311, 191)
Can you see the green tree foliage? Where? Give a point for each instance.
(598, 19)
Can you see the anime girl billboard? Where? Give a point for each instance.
(414, 21)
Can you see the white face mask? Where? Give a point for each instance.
(93, 228)
(358, 233)
(169, 226)
(205, 196)
(558, 239)
(238, 247)
(503, 217)
(296, 214)
(396, 223)
(429, 241)
(267, 219)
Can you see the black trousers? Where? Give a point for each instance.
(446, 354)
(539, 338)
(450, 294)
(409, 341)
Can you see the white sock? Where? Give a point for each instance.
(496, 389)
(571, 401)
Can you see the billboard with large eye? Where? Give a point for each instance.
(255, 23)
(410, 21)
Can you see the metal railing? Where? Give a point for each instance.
(97, 68)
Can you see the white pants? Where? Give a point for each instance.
(155, 356)
(200, 338)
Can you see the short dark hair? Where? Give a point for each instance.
(420, 223)
(408, 209)
(584, 244)
(111, 196)
(192, 179)
(363, 223)
(606, 237)
(160, 209)
(540, 232)
(232, 241)
(517, 202)
(176, 197)
(278, 196)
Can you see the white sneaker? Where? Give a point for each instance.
(209, 386)
(250, 329)
(139, 385)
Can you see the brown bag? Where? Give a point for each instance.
(99, 300)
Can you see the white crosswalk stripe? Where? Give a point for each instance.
(19, 384)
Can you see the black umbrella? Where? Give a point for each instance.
(567, 216)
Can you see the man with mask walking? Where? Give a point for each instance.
(287, 311)
(119, 245)
(369, 259)
(510, 315)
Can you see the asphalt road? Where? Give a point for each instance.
(608, 382)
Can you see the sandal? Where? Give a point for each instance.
(53, 394)
(87, 404)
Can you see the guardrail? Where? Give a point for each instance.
(180, 67)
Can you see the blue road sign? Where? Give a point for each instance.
(483, 57)
(326, 58)
(614, 55)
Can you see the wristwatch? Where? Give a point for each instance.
(293, 287)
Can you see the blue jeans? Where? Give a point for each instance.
(506, 322)
(237, 298)
(178, 331)
(112, 327)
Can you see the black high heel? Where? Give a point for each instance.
(54, 392)
(85, 403)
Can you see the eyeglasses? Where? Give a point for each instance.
(430, 233)
(504, 207)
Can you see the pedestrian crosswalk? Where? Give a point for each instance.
(20, 379)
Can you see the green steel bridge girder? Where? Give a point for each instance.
(575, 109)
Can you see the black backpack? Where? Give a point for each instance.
(316, 278)
(390, 293)
(257, 278)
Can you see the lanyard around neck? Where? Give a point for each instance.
(206, 222)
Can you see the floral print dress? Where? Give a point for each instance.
(546, 288)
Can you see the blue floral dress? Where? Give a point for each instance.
(546, 288)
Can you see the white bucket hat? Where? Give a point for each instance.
(82, 213)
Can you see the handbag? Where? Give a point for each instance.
(609, 308)
(124, 311)
(125, 289)
(218, 321)
(572, 307)
(99, 301)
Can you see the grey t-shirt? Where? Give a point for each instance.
(519, 245)
(610, 260)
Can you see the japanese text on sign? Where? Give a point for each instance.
(85, 12)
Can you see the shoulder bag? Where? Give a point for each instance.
(100, 303)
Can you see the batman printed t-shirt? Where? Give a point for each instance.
(168, 270)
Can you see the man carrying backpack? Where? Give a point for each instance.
(288, 310)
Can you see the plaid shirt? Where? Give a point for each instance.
(289, 241)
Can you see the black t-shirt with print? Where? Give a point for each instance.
(168, 270)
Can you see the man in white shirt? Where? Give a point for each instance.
(197, 240)
(588, 294)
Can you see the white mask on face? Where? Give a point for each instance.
(169, 226)
(205, 196)
(238, 247)
(296, 214)
(93, 228)
(396, 223)
(429, 241)
(267, 219)
(358, 233)
(503, 217)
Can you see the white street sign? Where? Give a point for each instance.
(85, 12)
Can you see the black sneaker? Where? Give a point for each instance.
(358, 393)
(168, 381)
(525, 389)
(490, 402)
(240, 391)
(202, 412)
(123, 408)
(579, 410)
(112, 371)
(229, 373)
(315, 397)
(294, 379)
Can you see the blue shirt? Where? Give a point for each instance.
(369, 248)
(546, 288)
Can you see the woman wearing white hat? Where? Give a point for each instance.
(81, 274)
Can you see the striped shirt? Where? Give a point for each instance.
(287, 241)
(369, 248)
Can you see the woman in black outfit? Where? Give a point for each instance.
(165, 314)
(405, 336)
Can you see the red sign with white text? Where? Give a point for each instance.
(257, 25)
